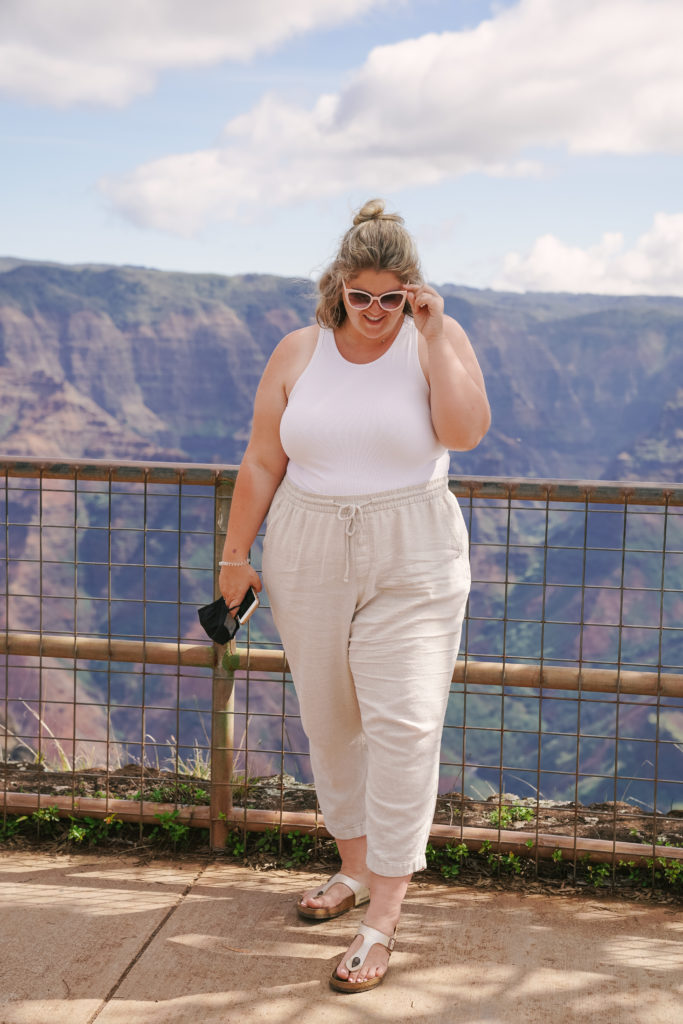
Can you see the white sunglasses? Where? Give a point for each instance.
(389, 301)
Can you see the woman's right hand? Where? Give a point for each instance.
(234, 581)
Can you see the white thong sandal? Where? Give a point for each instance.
(360, 894)
(371, 937)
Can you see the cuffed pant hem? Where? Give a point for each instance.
(395, 868)
(346, 832)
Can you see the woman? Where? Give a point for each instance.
(365, 558)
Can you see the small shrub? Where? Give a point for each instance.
(267, 842)
(301, 848)
(598, 874)
(77, 833)
(45, 820)
(99, 830)
(10, 827)
(673, 872)
(511, 862)
(170, 829)
(453, 859)
(503, 817)
(236, 843)
(632, 872)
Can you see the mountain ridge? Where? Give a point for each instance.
(131, 362)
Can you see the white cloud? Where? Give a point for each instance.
(109, 51)
(592, 76)
(652, 266)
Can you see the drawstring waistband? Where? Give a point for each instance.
(347, 514)
(350, 509)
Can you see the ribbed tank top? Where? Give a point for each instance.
(360, 428)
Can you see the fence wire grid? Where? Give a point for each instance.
(565, 721)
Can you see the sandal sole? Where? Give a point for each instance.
(351, 987)
(326, 913)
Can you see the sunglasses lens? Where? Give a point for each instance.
(391, 301)
(359, 300)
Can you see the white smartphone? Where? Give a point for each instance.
(250, 603)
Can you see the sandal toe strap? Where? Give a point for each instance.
(361, 893)
(371, 937)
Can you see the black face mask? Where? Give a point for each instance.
(217, 622)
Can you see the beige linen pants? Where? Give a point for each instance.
(368, 594)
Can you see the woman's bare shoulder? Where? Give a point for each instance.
(453, 329)
(292, 355)
(303, 339)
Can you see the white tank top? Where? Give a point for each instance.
(360, 428)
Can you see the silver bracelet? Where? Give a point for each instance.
(244, 562)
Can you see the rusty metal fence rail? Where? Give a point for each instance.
(564, 731)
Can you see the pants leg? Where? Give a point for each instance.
(303, 570)
(403, 648)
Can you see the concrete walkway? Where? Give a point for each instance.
(89, 939)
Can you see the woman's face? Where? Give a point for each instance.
(374, 323)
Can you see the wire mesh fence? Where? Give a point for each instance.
(564, 729)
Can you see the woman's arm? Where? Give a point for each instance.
(259, 476)
(264, 462)
(460, 409)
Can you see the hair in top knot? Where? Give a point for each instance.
(374, 210)
(376, 241)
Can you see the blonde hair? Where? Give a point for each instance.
(376, 241)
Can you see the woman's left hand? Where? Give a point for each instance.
(427, 307)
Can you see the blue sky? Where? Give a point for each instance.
(529, 144)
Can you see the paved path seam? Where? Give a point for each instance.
(145, 945)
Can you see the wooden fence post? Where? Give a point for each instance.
(223, 700)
